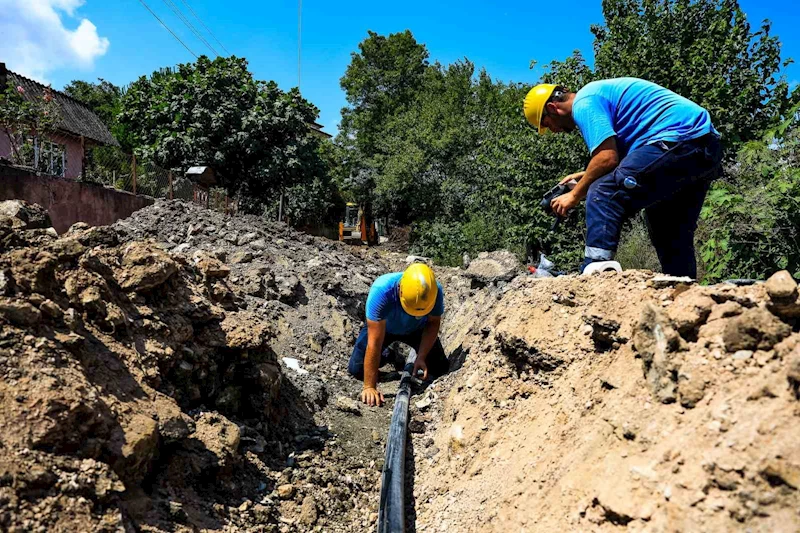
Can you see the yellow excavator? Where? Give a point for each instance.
(357, 227)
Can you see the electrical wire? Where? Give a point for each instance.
(175, 9)
(167, 28)
(211, 33)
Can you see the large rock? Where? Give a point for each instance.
(689, 311)
(659, 345)
(137, 448)
(501, 265)
(783, 295)
(144, 267)
(755, 329)
(19, 313)
(781, 286)
(218, 434)
(24, 215)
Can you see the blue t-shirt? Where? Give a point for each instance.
(383, 303)
(638, 112)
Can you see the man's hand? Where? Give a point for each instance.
(576, 176)
(562, 204)
(372, 396)
(419, 364)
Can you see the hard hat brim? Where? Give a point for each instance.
(418, 312)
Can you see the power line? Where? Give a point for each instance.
(175, 9)
(211, 33)
(167, 28)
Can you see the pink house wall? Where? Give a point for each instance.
(69, 201)
(73, 149)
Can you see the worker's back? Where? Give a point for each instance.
(638, 113)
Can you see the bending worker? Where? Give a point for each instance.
(650, 149)
(406, 307)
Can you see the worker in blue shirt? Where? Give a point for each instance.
(406, 307)
(650, 149)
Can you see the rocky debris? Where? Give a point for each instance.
(604, 331)
(659, 345)
(754, 329)
(348, 405)
(692, 429)
(493, 267)
(137, 347)
(689, 311)
(308, 511)
(793, 373)
(525, 357)
(24, 216)
(19, 313)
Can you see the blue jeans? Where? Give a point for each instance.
(671, 182)
(437, 362)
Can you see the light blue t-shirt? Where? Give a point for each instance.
(638, 112)
(383, 303)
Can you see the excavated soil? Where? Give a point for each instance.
(616, 402)
(184, 371)
(145, 384)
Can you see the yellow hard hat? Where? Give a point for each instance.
(534, 104)
(418, 290)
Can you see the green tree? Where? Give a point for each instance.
(255, 135)
(704, 50)
(105, 100)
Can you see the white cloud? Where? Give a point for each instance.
(36, 38)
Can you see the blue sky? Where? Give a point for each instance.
(60, 40)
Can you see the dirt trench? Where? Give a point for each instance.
(184, 371)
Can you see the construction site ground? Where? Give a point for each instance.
(186, 371)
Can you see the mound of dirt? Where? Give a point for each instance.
(607, 402)
(145, 383)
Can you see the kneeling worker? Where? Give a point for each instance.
(406, 307)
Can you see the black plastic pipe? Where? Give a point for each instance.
(392, 510)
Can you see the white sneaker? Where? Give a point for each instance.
(602, 266)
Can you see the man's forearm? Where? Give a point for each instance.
(372, 362)
(598, 167)
(429, 335)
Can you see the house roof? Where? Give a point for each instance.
(76, 117)
(317, 128)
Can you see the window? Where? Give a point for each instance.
(51, 158)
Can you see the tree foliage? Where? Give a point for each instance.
(705, 50)
(446, 149)
(255, 135)
(105, 100)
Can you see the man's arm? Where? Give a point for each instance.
(604, 159)
(372, 362)
(429, 334)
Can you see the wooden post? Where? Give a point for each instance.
(133, 173)
(170, 185)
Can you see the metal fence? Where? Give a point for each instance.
(68, 157)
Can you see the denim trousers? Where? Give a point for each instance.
(669, 181)
(437, 362)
